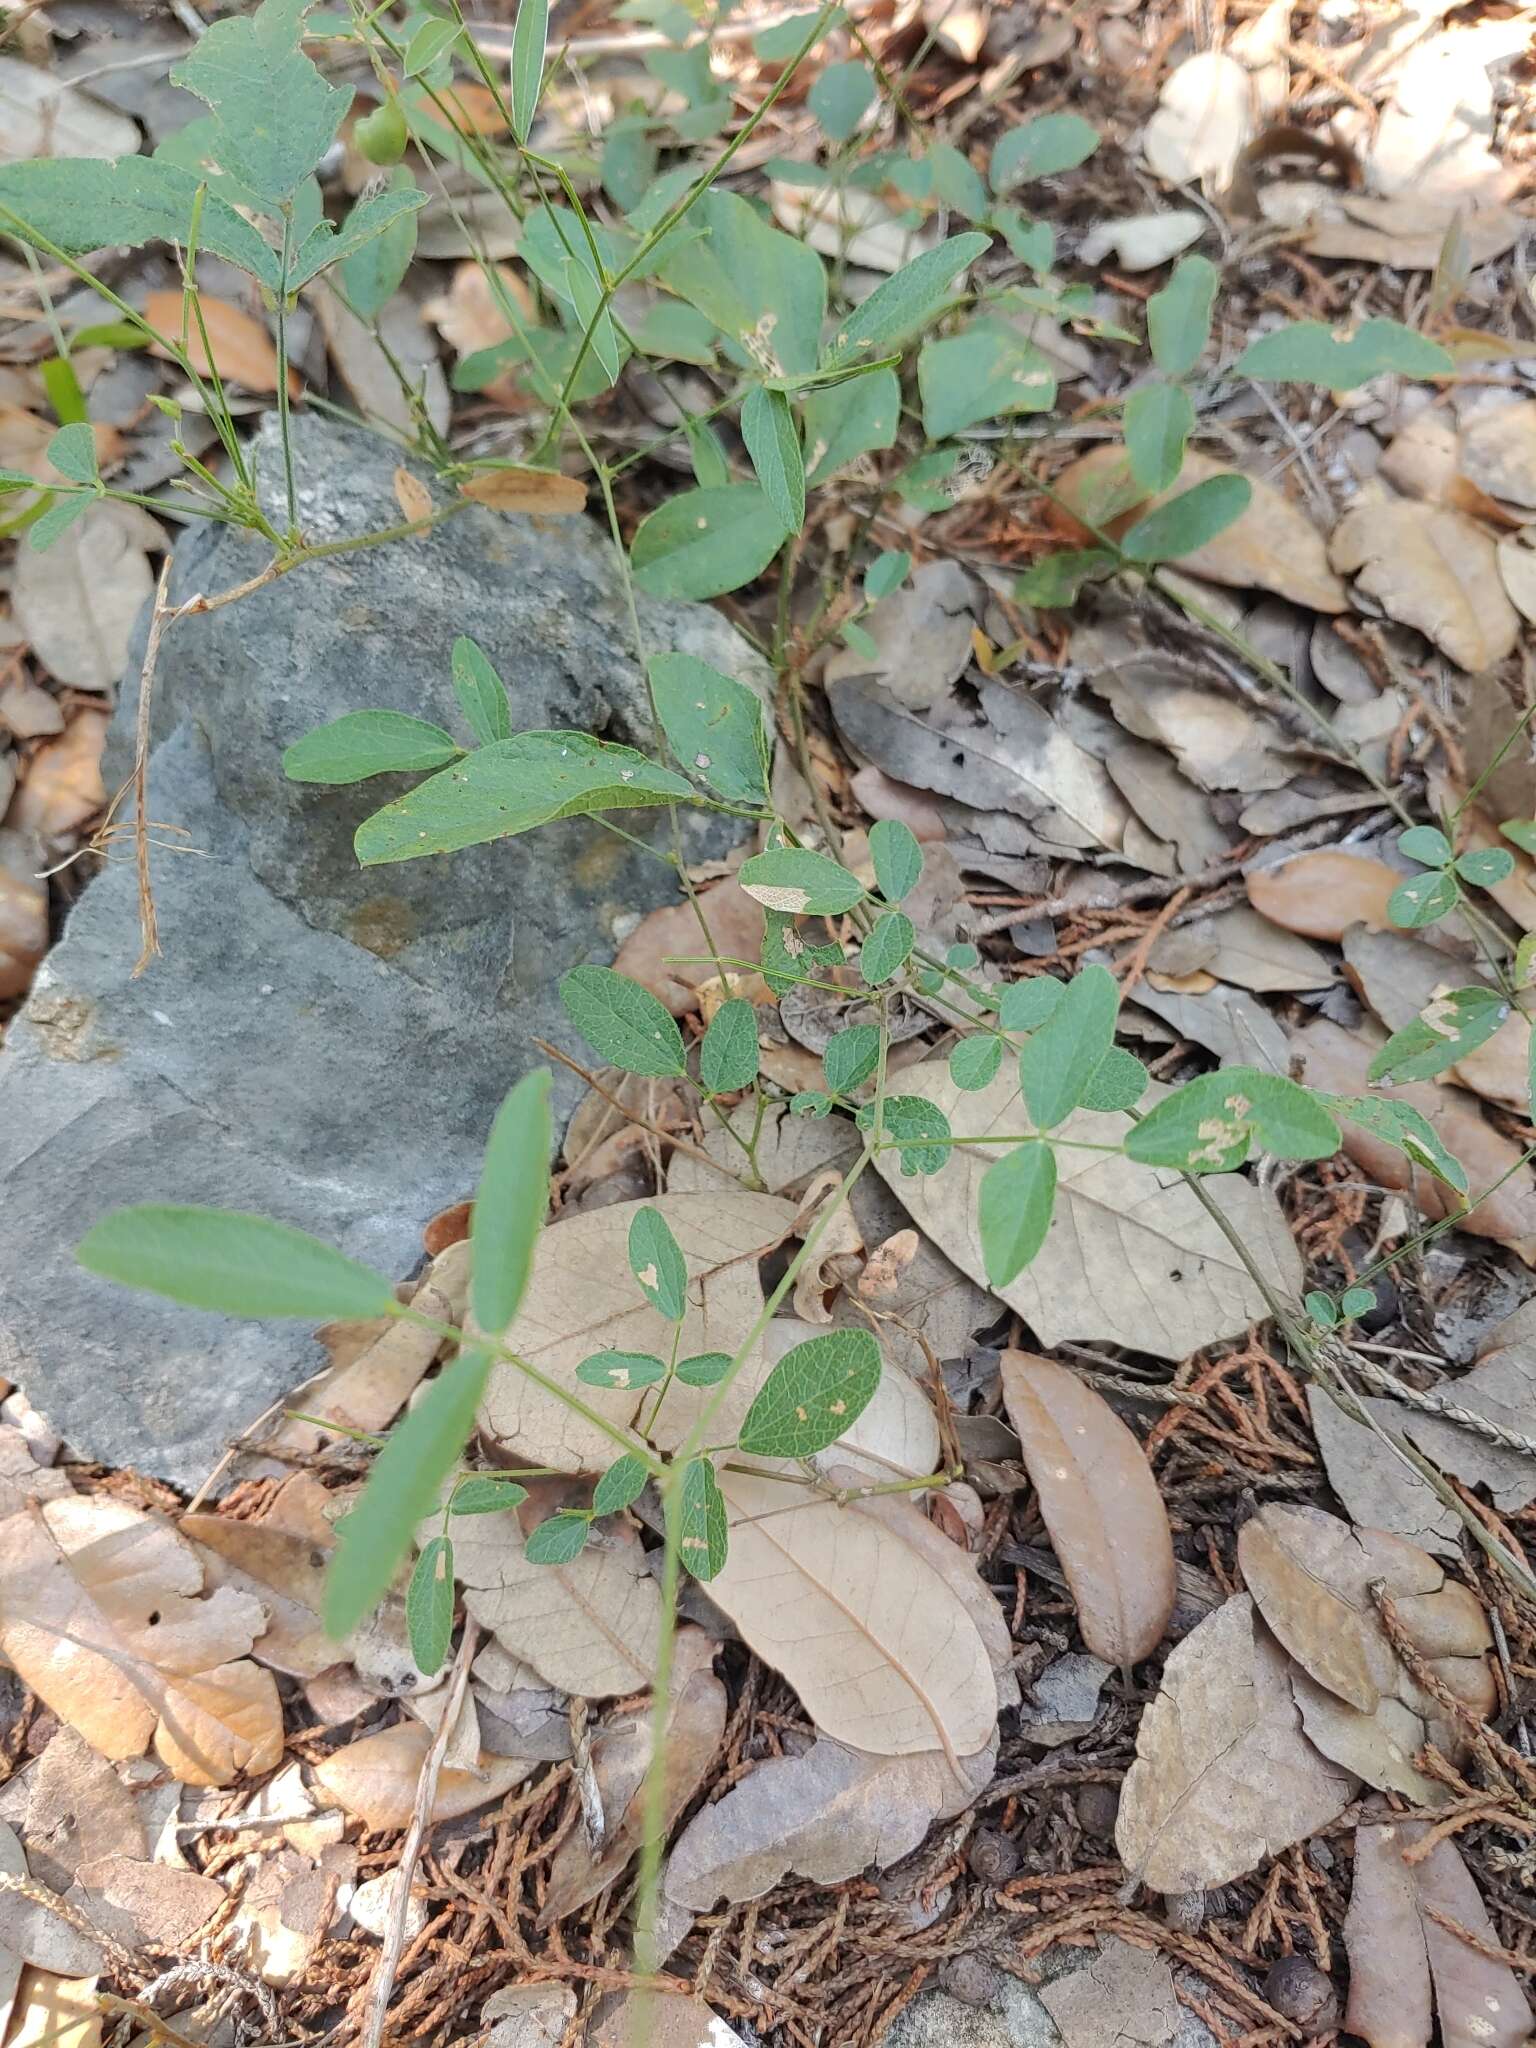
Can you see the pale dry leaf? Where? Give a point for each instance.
(469, 315)
(78, 600)
(582, 1298)
(1432, 138)
(1498, 453)
(21, 1477)
(529, 2015)
(1168, 805)
(1502, 1387)
(922, 637)
(1517, 566)
(1262, 956)
(412, 496)
(1226, 1021)
(1123, 1998)
(667, 953)
(78, 1811)
(839, 1253)
(33, 1931)
(228, 340)
(452, 226)
(1421, 458)
(1401, 976)
(1380, 1490)
(935, 1311)
(1100, 1505)
(40, 115)
(31, 712)
(1143, 240)
(960, 30)
(1064, 1700)
(461, 1752)
(1476, 831)
(658, 2019)
(1397, 1952)
(1431, 568)
(516, 489)
(55, 2012)
(1320, 894)
(1224, 1777)
(100, 1616)
(286, 1907)
(375, 1778)
(1405, 233)
(588, 1627)
(853, 226)
(283, 1569)
(365, 369)
(882, 1651)
(1131, 1257)
(146, 1905)
(1338, 1061)
(1378, 1747)
(1203, 122)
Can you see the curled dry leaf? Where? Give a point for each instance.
(1337, 1061)
(1432, 568)
(1100, 1505)
(1404, 1964)
(240, 348)
(1130, 1258)
(100, 1617)
(1224, 1777)
(1321, 894)
(839, 1254)
(412, 496)
(375, 1778)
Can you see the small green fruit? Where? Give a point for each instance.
(382, 135)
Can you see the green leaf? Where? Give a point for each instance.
(840, 98)
(1525, 960)
(485, 1494)
(1521, 832)
(986, 373)
(841, 422)
(57, 520)
(623, 1482)
(1057, 580)
(711, 470)
(813, 1396)
(1426, 843)
(402, 1488)
(1119, 1081)
(706, 1369)
(629, 164)
(1397, 1123)
(1307, 352)
(1040, 148)
(810, 1102)
(1320, 1308)
(886, 951)
(728, 1057)
(374, 263)
(898, 858)
(277, 116)
(559, 1540)
(974, 1061)
(623, 1021)
(1032, 241)
(778, 43)
(963, 956)
(766, 292)
(1059, 1061)
(713, 724)
(1179, 318)
(510, 1202)
(236, 1264)
(1444, 1031)
(364, 743)
(1486, 866)
(887, 572)
(851, 1056)
(1209, 1125)
(788, 956)
(16, 480)
(84, 203)
(592, 317)
(1013, 1209)
(370, 218)
(1188, 521)
(768, 429)
(656, 1260)
(481, 693)
(919, 1127)
(1026, 1005)
(896, 309)
(72, 451)
(429, 1606)
(621, 1371)
(431, 41)
(1159, 420)
(498, 791)
(702, 1530)
(1422, 900)
(956, 182)
(1357, 1301)
(803, 883)
(853, 635)
(704, 543)
(680, 334)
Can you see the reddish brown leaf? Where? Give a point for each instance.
(1321, 894)
(516, 489)
(241, 348)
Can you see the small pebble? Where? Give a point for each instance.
(1098, 1808)
(1185, 1911)
(1299, 1991)
(992, 1856)
(971, 1979)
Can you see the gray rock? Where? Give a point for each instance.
(1019, 2018)
(318, 1043)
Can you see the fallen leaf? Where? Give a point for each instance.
(284, 1568)
(241, 349)
(1168, 805)
(1397, 1951)
(529, 2015)
(1432, 138)
(1123, 1999)
(1321, 894)
(412, 496)
(1380, 1490)
(1517, 566)
(851, 226)
(514, 488)
(1143, 240)
(1432, 568)
(55, 2012)
(1400, 977)
(33, 1931)
(960, 30)
(469, 314)
(935, 1309)
(1100, 1505)
(1338, 1061)
(42, 116)
(1404, 233)
(62, 789)
(99, 1614)
(1224, 1778)
(921, 634)
(1064, 1700)
(1421, 458)
(22, 1478)
(1502, 1387)
(1203, 121)
(1516, 894)
(1498, 453)
(78, 1811)
(453, 226)
(1256, 954)
(668, 953)
(77, 601)
(1379, 1746)
(285, 1911)
(375, 1778)
(147, 1905)
(362, 364)
(1131, 1257)
(658, 2019)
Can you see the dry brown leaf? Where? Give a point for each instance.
(1420, 460)
(1378, 1488)
(961, 30)
(147, 1905)
(1337, 1061)
(31, 712)
(1516, 894)
(1311, 1576)
(1321, 894)
(1378, 1747)
(412, 496)
(582, 1298)
(1400, 977)
(1130, 1257)
(241, 349)
(1517, 566)
(666, 952)
(63, 785)
(35, 1932)
(21, 1477)
(872, 1635)
(1502, 1387)
(658, 2019)
(375, 1778)
(55, 2012)
(284, 1568)
(516, 489)
(1432, 568)
(78, 1811)
(285, 1911)
(99, 1614)
(1396, 1950)
(77, 601)
(621, 1756)
(366, 370)
(1224, 1778)
(1100, 1505)
(1405, 233)
(1498, 453)
(469, 314)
